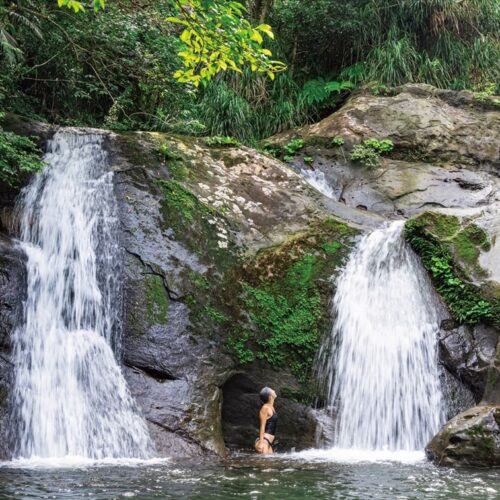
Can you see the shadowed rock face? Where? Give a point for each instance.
(240, 413)
(472, 438)
(12, 295)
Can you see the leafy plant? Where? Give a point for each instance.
(337, 141)
(288, 158)
(309, 160)
(292, 146)
(19, 155)
(486, 93)
(464, 299)
(217, 37)
(319, 90)
(217, 141)
(369, 151)
(166, 153)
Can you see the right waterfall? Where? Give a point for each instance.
(380, 364)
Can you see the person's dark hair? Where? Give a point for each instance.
(265, 394)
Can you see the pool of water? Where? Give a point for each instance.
(318, 475)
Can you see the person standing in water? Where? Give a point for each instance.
(268, 419)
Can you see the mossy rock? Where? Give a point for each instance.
(157, 300)
(283, 299)
(449, 249)
(472, 438)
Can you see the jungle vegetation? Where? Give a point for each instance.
(241, 69)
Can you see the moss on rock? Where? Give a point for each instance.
(449, 250)
(207, 236)
(469, 439)
(157, 300)
(284, 295)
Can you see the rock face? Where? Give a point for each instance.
(472, 438)
(12, 295)
(445, 154)
(223, 248)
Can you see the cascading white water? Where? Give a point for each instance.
(70, 397)
(317, 179)
(380, 365)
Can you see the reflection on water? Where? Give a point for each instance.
(247, 476)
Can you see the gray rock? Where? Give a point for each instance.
(468, 352)
(178, 367)
(472, 438)
(12, 295)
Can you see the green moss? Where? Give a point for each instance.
(182, 209)
(464, 244)
(442, 226)
(448, 253)
(179, 171)
(284, 297)
(166, 152)
(157, 300)
(222, 141)
(332, 246)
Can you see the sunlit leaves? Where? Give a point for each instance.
(78, 6)
(217, 37)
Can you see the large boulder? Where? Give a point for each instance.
(445, 153)
(450, 247)
(228, 259)
(472, 438)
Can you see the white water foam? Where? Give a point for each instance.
(70, 398)
(379, 365)
(78, 462)
(356, 456)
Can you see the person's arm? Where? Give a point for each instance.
(264, 412)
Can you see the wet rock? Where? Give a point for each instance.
(472, 438)
(445, 151)
(457, 395)
(468, 352)
(12, 295)
(425, 121)
(193, 230)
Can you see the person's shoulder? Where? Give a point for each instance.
(267, 408)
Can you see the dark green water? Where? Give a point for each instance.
(280, 477)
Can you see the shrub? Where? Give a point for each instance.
(293, 146)
(369, 151)
(18, 155)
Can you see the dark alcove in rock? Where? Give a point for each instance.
(240, 417)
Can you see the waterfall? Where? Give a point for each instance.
(70, 397)
(317, 179)
(380, 362)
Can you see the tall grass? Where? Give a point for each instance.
(250, 107)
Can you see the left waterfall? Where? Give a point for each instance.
(70, 398)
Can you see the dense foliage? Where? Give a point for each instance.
(18, 156)
(120, 66)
